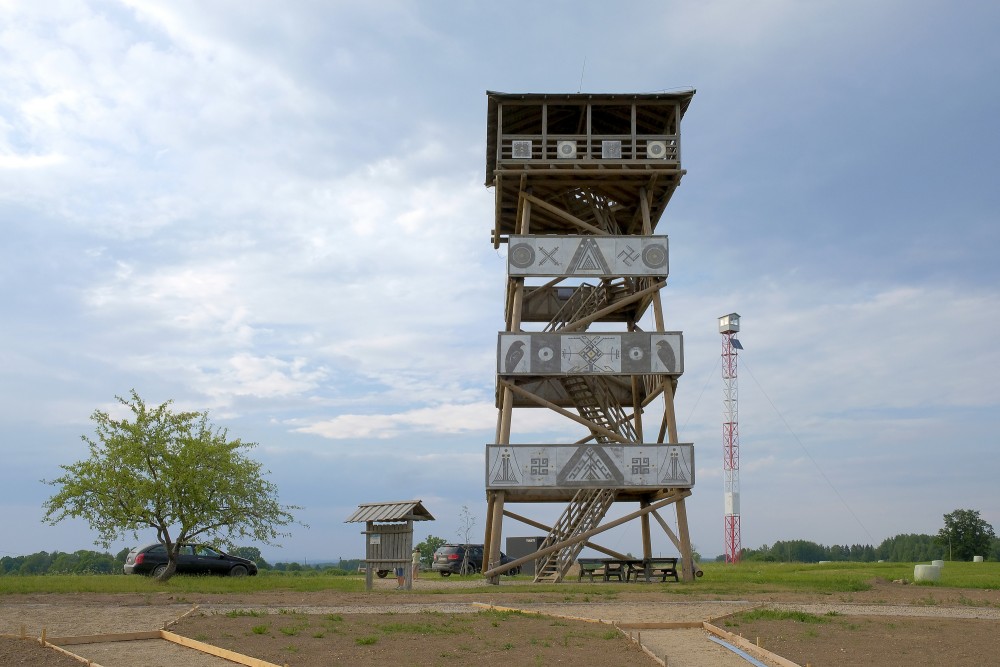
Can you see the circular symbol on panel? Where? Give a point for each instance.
(545, 353)
(636, 353)
(654, 256)
(522, 255)
(566, 148)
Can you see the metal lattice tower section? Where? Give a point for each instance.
(729, 326)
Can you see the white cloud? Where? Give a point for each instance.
(280, 216)
(18, 162)
(469, 418)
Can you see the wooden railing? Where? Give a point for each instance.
(646, 148)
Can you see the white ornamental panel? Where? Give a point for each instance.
(626, 467)
(593, 256)
(589, 353)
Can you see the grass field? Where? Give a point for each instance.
(719, 579)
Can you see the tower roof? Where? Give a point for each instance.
(530, 104)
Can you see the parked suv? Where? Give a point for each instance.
(463, 559)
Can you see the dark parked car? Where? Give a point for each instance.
(192, 559)
(452, 558)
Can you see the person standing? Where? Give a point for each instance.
(415, 559)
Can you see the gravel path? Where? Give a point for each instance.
(683, 647)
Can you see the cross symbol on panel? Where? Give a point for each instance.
(628, 255)
(549, 255)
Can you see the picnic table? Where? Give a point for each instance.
(628, 569)
(659, 567)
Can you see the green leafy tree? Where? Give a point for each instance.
(37, 563)
(428, 547)
(11, 564)
(910, 548)
(170, 471)
(965, 535)
(62, 563)
(251, 553)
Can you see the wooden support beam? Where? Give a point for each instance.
(685, 538)
(586, 535)
(647, 221)
(488, 539)
(558, 212)
(524, 209)
(548, 529)
(583, 322)
(667, 530)
(647, 542)
(636, 407)
(493, 555)
(497, 208)
(628, 417)
(668, 409)
(540, 289)
(506, 411)
(522, 186)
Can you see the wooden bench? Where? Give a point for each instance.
(628, 569)
(606, 568)
(659, 567)
(590, 567)
(615, 568)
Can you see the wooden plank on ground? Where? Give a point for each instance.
(666, 625)
(99, 639)
(233, 656)
(68, 654)
(748, 646)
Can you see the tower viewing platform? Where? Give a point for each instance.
(592, 156)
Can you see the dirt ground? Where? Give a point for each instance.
(890, 625)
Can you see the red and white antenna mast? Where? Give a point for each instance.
(729, 326)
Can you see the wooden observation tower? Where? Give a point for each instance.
(581, 182)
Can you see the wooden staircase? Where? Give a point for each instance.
(583, 513)
(596, 403)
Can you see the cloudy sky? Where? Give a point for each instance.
(276, 212)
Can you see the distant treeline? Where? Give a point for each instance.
(95, 562)
(57, 562)
(909, 548)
